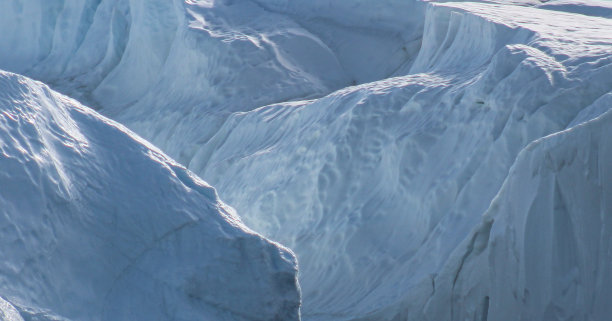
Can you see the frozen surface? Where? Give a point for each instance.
(8, 312)
(542, 251)
(99, 225)
(370, 136)
(375, 185)
(597, 8)
(173, 70)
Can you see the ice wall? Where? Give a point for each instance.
(542, 251)
(378, 186)
(98, 224)
(173, 70)
(374, 186)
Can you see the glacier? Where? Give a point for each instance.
(97, 224)
(425, 160)
(542, 250)
(148, 64)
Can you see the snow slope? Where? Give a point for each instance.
(377, 187)
(374, 186)
(597, 8)
(8, 312)
(173, 70)
(97, 224)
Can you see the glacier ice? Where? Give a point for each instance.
(597, 8)
(148, 64)
(542, 251)
(97, 224)
(370, 136)
(374, 186)
(8, 312)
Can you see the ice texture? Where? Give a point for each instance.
(8, 312)
(98, 224)
(542, 251)
(426, 160)
(174, 70)
(375, 185)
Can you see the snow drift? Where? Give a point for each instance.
(99, 225)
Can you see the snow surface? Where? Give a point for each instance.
(374, 186)
(97, 224)
(597, 8)
(542, 251)
(173, 70)
(369, 136)
(8, 312)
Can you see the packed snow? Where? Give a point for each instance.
(375, 185)
(8, 312)
(174, 70)
(97, 224)
(425, 160)
(542, 251)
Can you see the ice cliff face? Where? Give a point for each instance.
(542, 251)
(374, 186)
(99, 225)
(380, 188)
(149, 64)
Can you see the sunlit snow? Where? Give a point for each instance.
(425, 160)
